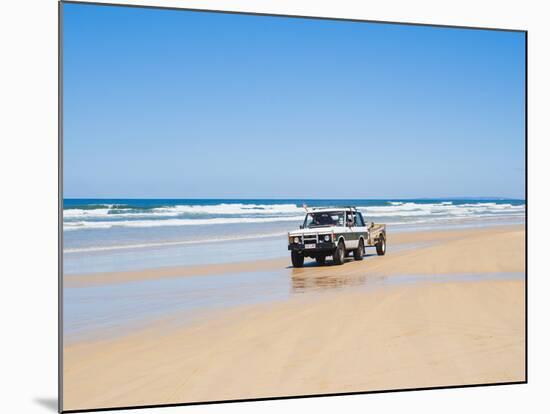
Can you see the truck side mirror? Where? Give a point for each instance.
(301, 226)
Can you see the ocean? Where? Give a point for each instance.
(126, 234)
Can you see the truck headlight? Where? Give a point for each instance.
(327, 237)
(296, 240)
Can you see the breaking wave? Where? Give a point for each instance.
(105, 216)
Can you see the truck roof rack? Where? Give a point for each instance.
(335, 208)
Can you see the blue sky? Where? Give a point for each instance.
(163, 103)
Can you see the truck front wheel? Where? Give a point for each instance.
(339, 254)
(360, 251)
(297, 259)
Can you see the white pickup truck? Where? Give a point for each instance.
(335, 232)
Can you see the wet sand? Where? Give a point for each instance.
(420, 334)
(395, 241)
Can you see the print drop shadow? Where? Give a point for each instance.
(49, 403)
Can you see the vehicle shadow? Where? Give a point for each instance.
(328, 263)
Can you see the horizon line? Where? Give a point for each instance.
(301, 198)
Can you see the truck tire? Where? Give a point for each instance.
(381, 246)
(360, 251)
(339, 253)
(297, 259)
(320, 260)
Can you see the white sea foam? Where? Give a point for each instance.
(109, 216)
(173, 243)
(75, 225)
(181, 210)
(442, 209)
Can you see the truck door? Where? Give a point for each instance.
(361, 227)
(352, 236)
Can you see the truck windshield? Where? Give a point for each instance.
(325, 219)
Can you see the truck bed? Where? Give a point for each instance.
(375, 231)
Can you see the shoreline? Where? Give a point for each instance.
(282, 263)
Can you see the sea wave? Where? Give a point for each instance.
(439, 209)
(105, 216)
(182, 210)
(77, 225)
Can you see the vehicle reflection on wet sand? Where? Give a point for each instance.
(305, 283)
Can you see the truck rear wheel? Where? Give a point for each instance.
(360, 251)
(339, 254)
(320, 260)
(297, 259)
(381, 246)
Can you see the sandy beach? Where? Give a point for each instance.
(441, 308)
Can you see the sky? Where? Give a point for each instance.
(180, 104)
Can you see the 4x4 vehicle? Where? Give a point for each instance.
(335, 232)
